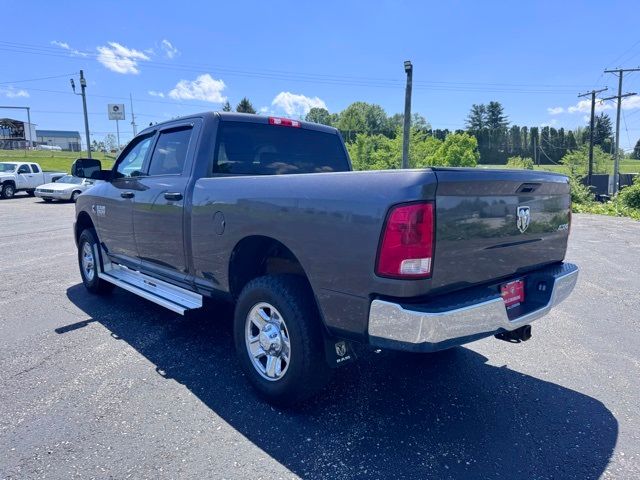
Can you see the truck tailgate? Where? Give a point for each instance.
(492, 224)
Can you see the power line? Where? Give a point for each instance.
(37, 79)
(312, 77)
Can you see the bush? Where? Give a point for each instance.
(630, 196)
(580, 193)
(525, 163)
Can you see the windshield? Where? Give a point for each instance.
(69, 179)
(7, 167)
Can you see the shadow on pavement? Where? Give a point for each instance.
(448, 415)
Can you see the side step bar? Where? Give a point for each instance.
(162, 293)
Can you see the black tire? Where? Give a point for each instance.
(91, 282)
(308, 372)
(47, 200)
(31, 192)
(74, 196)
(8, 191)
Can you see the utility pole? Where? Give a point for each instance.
(620, 96)
(133, 117)
(591, 128)
(408, 68)
(83, 86)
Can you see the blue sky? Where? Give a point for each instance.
(533, 57)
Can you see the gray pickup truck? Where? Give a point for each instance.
(266, 212)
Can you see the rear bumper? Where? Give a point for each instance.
(469, 316)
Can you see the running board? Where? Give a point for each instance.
(162, 293)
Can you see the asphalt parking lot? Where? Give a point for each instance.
(116, 387)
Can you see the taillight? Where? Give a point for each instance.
(406, 250)
(284, 122)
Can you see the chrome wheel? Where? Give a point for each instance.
(88, 262)
(267, 341)
(74, 196)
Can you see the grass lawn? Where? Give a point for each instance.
(52, 160)
(626, 166)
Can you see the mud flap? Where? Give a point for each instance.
(338, 352)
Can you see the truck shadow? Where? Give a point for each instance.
(448, 415)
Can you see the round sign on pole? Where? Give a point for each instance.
(116, 111)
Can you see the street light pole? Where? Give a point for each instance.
(83, 86)
(408, 68)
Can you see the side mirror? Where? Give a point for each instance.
(89, 168)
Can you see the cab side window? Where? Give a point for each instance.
(35, 168)
(131, 164)
(24, 169)
(170, 153)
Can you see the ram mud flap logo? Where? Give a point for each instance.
(338, 352)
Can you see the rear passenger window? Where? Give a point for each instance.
(24, 169)
(170, 153)
(247, 148)
(35, 168)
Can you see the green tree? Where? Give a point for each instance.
(636, 151)
(576, 162)
(362, 117)
(319, 115)
(477, 118)
(226, 107)
(245, 106)
(602, 132)
(496, 119)
(458, 150)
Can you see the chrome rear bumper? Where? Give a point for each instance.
(416, 328)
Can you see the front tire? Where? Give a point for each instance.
(88, 248)
(74, 196)
(8, 191)
(278, 339)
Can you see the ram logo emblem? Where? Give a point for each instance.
(523, 218)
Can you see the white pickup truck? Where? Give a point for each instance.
(17, 176)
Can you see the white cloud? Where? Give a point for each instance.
(120, 59)
(631, 103)
(64, 45)
(12, 92)
(295, 104)
(169, 50)
(204, 87)
(555, 110)
(584, 106)
(155, 93)
(67, 47)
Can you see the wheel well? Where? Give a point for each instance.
(255, 256)
(10, 182)
(83, 222)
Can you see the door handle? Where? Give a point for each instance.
(173, 196)
(127, 195)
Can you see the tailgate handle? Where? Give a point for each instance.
(527, 188)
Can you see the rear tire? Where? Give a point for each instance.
(285, 308)
(8, 191)
(74, 196)
(31, 192)
(47, 200)
(88, 247)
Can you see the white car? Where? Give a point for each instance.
(65, 188)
